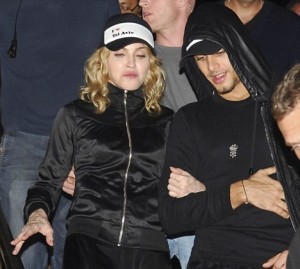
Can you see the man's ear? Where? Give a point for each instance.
(187, 4)
(182, 3)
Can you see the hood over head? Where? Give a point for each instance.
(211, 27)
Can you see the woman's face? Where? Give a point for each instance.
(128, 67)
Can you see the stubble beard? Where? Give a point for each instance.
(229, 89)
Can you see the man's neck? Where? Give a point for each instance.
(238, 94)
(173, 36)
(245, 10)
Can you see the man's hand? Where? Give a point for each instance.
(262, 191)
(69, 183)
(37, 223)
(278, 261)
(181, 183)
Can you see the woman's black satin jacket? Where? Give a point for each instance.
(118, 157)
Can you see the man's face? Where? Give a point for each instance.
(246, 1)
(289, 126)
(130, 6)
(220, 73)
(159, 14)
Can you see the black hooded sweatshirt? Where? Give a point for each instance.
(199, 142)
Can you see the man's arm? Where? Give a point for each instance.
(261, 191)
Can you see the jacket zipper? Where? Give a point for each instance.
(268, 134)
(127, 169)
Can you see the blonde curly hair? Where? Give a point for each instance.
(96, 77)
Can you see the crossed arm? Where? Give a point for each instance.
(260, 190)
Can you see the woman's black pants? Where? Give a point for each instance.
(84, 252)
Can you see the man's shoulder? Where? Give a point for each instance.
(283, 14)
(198, 105)
(194, 108)
(166, 51)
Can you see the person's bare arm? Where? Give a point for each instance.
(261, 191)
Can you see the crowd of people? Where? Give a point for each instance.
(158, 131)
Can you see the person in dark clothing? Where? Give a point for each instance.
(286, 111)
(275, 29)
(42, 72)
(115, 135)
(226, 140)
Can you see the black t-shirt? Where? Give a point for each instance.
(213, 140)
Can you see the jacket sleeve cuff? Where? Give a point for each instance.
(32, 207)
(219, 204)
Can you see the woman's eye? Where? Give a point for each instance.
(118, 55)
(141, 55)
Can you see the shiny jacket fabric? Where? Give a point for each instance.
(118, 157)
(208, 21)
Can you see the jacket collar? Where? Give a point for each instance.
(135, 98)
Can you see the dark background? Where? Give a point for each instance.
(279, 2)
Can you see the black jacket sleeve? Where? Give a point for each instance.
(195, 210)
(56, 165)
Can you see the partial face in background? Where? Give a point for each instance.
(128, 67)
(130, 6)
(159, 14)
(246, 1)
(296, 8)
(289, 126)
(219, 72)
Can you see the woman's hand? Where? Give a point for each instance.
(181, 183)
(37, 223)
(69, 183)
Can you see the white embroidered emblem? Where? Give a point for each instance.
(233, 150)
